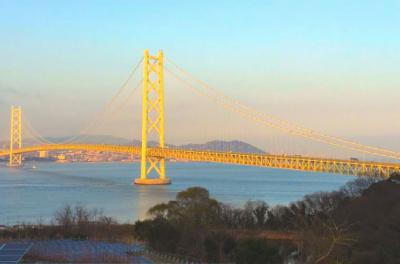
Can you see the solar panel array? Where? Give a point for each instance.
(12, 253)
(72, 251)
(88, 251)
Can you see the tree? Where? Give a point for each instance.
(65, 216)
(260, 212)
(160, 234)
(219, 247)
(358, 186)
(257, 251)
(192, 207)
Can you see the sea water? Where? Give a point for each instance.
(34, 192)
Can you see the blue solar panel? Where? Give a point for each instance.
(96, 252)
(10, 258)
(12, 253)
(21, 246)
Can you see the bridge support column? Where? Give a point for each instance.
(152, 119)
(15, 136)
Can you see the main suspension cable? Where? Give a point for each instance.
(106, 108)
(258, 119)
(33, 132)
(288, 126)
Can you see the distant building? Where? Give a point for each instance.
(61, 158)
(43, 154)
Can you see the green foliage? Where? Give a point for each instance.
(194, 225)
(160, 234)
(257, 251)
(193, 196)
(335, 227)
(219, 246)
(193, 207)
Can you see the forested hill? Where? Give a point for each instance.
(219, 145)
(374, 219)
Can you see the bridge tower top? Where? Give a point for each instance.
(152, 118)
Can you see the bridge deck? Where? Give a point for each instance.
(349, 167)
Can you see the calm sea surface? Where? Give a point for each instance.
(27, 194)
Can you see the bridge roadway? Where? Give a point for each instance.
(301, 163)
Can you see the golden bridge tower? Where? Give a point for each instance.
(152, 119)
(15, 136)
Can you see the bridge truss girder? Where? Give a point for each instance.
(302, 163)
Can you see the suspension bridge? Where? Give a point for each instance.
(153, 157)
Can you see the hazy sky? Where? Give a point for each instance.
(333, 66)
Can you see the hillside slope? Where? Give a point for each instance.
(374, 220)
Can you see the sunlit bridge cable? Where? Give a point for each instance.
(290, 126)
(276, 119)
(258, 119)
(117, 110)
(99, 115)
(127, 99)
(33, 132)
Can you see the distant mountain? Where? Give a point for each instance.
(215, 145)
(219, 145)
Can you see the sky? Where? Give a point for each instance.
(332, 66)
